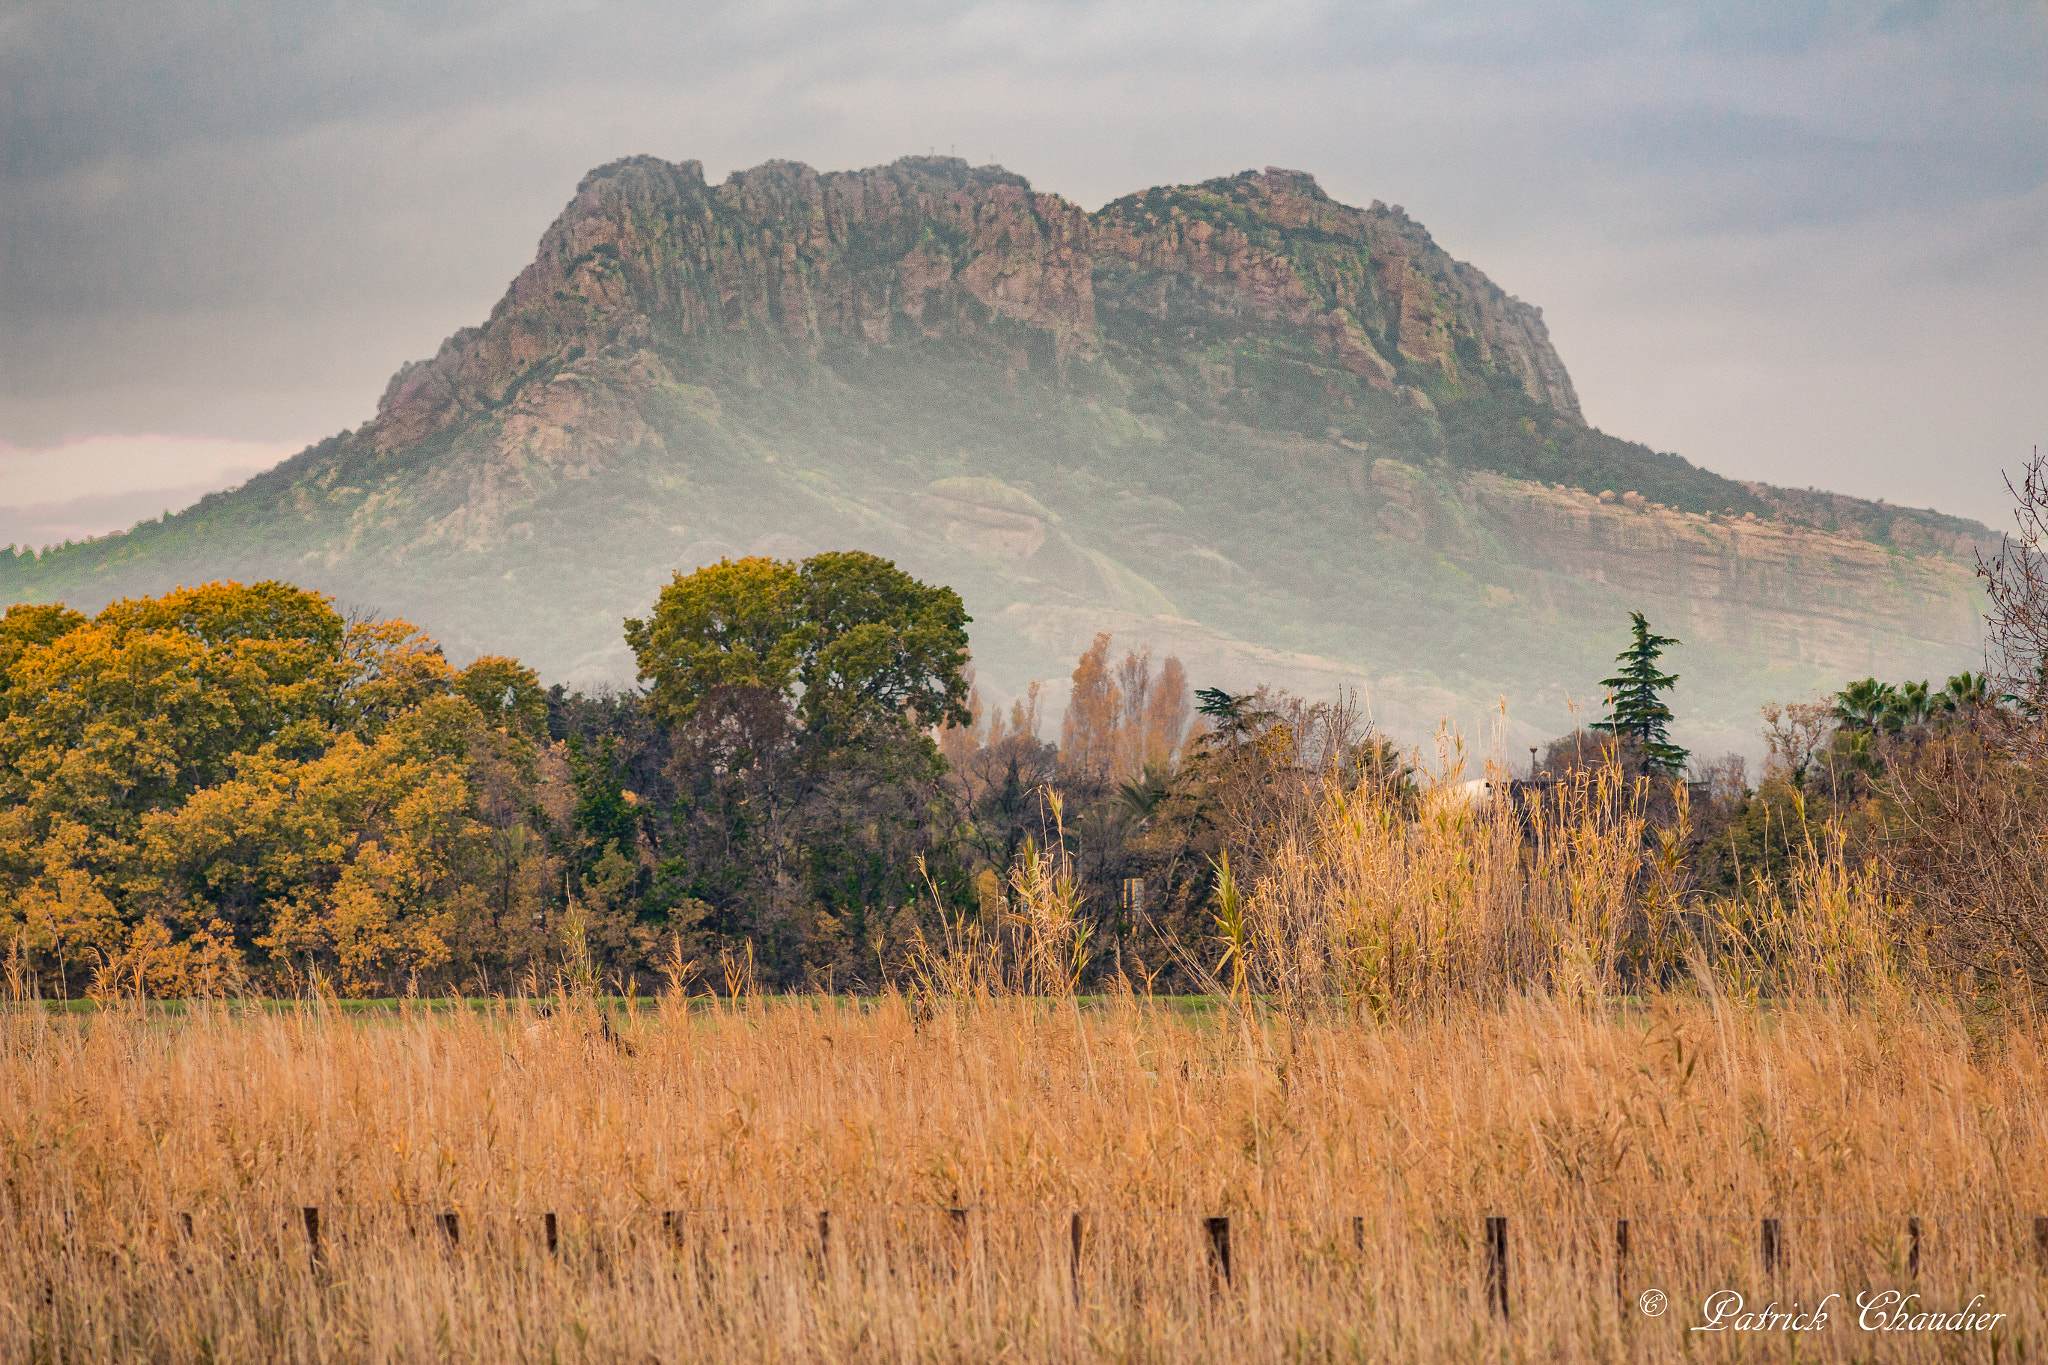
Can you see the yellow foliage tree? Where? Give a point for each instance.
(227, 773)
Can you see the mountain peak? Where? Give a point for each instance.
(1237, 411)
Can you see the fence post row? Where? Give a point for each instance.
(1216, 1232)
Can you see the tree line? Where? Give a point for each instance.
(234, 787)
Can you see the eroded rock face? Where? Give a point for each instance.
(928, 247)
(1369, 284)
(988, 517)
(1788, 594)
(647, 247)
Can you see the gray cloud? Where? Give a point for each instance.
(1802, 242)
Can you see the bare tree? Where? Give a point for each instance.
(1973, 802)
(1794, 732)
(1971, 856)
(2017, 579)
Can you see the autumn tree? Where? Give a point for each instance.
(227, 775)
(2016, 579)
(1168, 709)
(1088, 733)
(1134, 684)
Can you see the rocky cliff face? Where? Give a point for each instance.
(1369, 285)
(1787, 593)
(931, 248)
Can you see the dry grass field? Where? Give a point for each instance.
(156, 1170)
(1418, 1022)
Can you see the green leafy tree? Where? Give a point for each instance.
(505, 692)
(1870, 707)
(721, 641)
(1233, 718)
(885, 646)
(843, 643)
(1637, 708)
(798, 697)
(1915, 704)
(1967, 692)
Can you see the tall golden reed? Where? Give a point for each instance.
(1566, 891)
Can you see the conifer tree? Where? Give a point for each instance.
(1636, 708)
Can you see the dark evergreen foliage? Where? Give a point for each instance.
(1637, 708)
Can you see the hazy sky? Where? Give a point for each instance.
(1806, 243)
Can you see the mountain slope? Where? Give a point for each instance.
(1295, 440)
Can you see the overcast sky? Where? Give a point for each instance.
(1801, 243)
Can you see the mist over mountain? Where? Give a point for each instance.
(1290, 440)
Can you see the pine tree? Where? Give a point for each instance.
(1635, 707)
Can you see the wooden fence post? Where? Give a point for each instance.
(1913, 1247)
(2041, 1242)
(956, 1218)
(672, 1227)
(1773, 1247)
(824, 1238)
(451, 1223)
(1074, 1255)
(1621, 1256)
(1497, 1265)
(548, 1224)
(310, 1216)
(1218, 1230)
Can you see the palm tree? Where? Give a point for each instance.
(1911, 706)
(1966, 691)
(1862, 706)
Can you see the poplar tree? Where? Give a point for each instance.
(1636, 705)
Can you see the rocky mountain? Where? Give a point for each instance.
(1289, 439)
